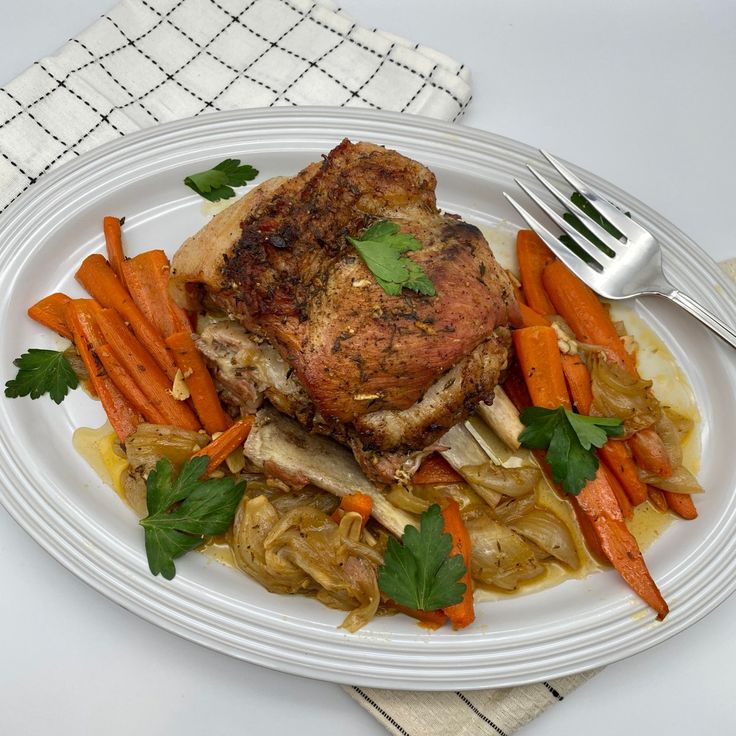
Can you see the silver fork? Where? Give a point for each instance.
(633, 265)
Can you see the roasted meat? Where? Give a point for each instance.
(386, 375)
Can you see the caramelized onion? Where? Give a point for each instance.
(681, 481)
(548, 532)
(616, 393)
(404, 499)
(514, 482)
(151, 442)
(500, 556)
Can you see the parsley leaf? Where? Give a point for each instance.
(207, 507)
(42, 372)
(381, 247)
(418, 571)
(570, 440)
(216, 183)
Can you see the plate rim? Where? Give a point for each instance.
(16, 217)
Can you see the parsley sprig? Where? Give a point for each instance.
(218, 182)
(570, 440)
(381, 247)
(418, 572)
(182, 512)
(42, 372)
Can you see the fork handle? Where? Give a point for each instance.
(707, 318)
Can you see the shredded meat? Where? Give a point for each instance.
(386, 375)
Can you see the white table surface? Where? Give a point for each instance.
(640, 93)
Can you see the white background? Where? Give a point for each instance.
(640, 93)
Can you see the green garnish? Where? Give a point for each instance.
(42, 372)
(592, 212)
(218, 182)
(570, 440)
(381, 247)
(418, 572)
(207, 507)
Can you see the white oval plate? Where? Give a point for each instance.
(57, 498)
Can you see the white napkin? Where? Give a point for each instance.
(152, 61)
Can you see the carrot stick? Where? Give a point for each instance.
(583, 311)
(681, 504)
(541, 366)
(590, 535)
(114, 245)
(199, 382)
(622, 549)
(101, 282)
(141, 366)
(650, 452)
(147, 279)
(87, 337)
(614, 452)
(617, 458)
(619, 545)
(51, 312)
(534, 256)
(229, 440)
(658, 499)
(428, 619)
(127, 386)
(435, 470)
(530, 318)
(577, 377)
(360, 503)
(461, 614)
(618, 490)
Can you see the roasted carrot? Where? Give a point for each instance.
(101, 282)
(111, 227)
(617, 458)
(427, 619)
(51, 312)
(435, 470)
(127, 386)
(87, 337)
(360, 503)
(590, 535)
(530, 318)
(583, 311)
(618, 490)
(461, 614)
(577, 377)
(141, 366)
(199, 382)
(229, 440)
(650, 452)
(147, 279)
(541, 366)
(534, 256)
(621, 548)
(682, 504)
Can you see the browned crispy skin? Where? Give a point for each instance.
(365, 358)
(295, 279)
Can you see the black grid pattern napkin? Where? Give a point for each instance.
(152, 61)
